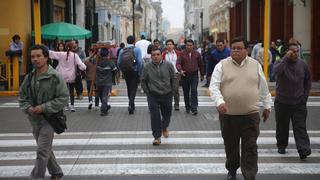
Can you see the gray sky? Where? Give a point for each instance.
(174, 11)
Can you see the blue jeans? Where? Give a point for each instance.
(190, 83)
(104, 94)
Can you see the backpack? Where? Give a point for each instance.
(128, 59)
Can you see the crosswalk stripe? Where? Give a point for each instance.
(214, 132)
(146, 153)
(163, 168)
(139, 141)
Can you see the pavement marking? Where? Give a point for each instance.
(214, 132)
(139, 104)
(139, 141)
(146, 153)
(163, 168)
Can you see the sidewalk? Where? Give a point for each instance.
(121, 90)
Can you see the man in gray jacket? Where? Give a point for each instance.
(158, 82)
(37, 99)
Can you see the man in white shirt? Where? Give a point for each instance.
(238, 107)
(143, 45)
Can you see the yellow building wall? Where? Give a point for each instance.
(15, 18)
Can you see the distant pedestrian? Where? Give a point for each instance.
(130, 62)
(237, 85)
(292, 92)
(171, 55)
(105, 76)
(16, 47)
(159, 81)
(43, 92)
(82, 55)
(68, 62)
(189, 64)
(91, 63)
(221, 52)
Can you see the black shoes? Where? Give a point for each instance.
(305, 154)
(281, 151)
(176, 107)
(105, 112)
(232, 175)
(56, 176)
(131, 110)
(194, 112)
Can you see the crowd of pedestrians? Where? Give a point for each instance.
(161, 70)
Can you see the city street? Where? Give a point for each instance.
(119, 146)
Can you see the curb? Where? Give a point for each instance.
(115, 92)
(16, 93)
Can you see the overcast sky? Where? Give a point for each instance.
(174, 11)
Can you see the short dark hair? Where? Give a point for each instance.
(16, 36)
(220, 40)
(240, 39)
(122, 45)
(45, 49)
(156, 40)
(169, 40)
(293, 44)
(149, 50)
(156, 49)
(130, 39)
(190, 41)
(142, 37)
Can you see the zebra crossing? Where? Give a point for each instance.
(132, 153)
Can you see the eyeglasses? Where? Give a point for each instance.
(237, 48)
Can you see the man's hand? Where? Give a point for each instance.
(265, 114)
(182, 72)
(222, 108)
(35, 110)
(201, 78)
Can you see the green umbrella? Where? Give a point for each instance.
(65, 31)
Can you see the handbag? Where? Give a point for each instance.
(79, 74)
(58, 121)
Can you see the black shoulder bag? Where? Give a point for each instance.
(58, 120)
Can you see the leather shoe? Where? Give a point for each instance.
(232, 175)
(156, 142)
(165, 132)
(305, 154)
(281, 151)
(56, 176)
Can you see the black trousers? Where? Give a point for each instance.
(298, 115)
(246, 128)
(160, 107)
(132, 80)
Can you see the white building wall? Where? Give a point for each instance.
(302, 24)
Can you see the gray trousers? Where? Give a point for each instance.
(43, 134)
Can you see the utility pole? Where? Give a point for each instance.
(201, 17)
(133, 23)
(150, 30)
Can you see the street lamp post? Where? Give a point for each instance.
(133, 23)
(150, 29)
(201, 17)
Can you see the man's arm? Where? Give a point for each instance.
(61, 97)
(307, 82)
(264, 95)
(24, 97)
